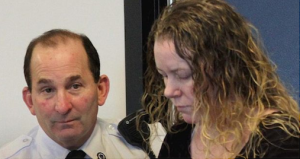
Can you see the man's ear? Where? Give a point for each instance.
(27, 98)
(103, 89)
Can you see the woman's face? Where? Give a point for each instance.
(177, 77)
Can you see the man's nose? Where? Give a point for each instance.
(63, 104)
(171, 89)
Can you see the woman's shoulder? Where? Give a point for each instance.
(278, 136)
(279, 122)
(181, 132)
(176, 145)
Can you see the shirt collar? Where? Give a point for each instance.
(98, 142)
(47, 147)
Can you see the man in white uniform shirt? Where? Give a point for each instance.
(64, 90)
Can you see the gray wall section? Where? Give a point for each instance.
(139, 16)
(278, 24)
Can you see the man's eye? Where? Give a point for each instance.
(76, 86)
(48, 90)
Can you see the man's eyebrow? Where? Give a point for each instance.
(73, 78)
(44, 81)
(47, 81)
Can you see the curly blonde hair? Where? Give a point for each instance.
(234, 80)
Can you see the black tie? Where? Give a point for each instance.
(78, 154)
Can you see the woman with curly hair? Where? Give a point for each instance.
(211, 84)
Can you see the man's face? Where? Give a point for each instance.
(64, 95)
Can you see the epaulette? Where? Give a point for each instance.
(111, 128)
(15, 146)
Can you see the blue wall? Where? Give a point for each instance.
(278, 24)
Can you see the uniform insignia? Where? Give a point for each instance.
(101, 155)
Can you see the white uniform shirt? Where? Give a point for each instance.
(105, 139)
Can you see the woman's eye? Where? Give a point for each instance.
(164, 76)
(186, 76)
(183, 76)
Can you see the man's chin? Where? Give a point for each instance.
(68, 134)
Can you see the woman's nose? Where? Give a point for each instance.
(171, 89)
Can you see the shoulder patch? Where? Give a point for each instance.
(16, 145)
(112, 130)
(110, 126)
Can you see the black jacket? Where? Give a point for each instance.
(277, 143)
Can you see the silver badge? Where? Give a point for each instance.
(101, 155)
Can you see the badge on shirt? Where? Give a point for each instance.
(101, 155)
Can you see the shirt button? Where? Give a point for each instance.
(111, 127)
